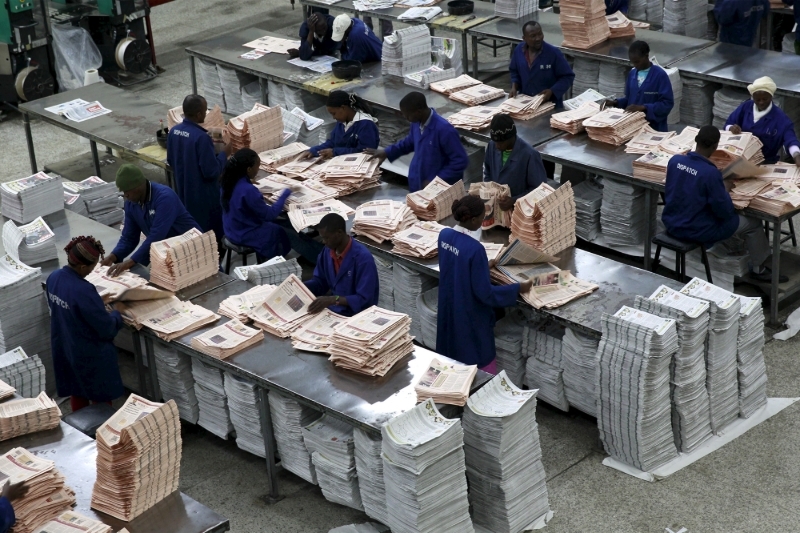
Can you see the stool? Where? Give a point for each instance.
(788, 235)
(230, 248)
(91, 417)
(681, 248)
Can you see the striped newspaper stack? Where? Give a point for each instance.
(332, 448)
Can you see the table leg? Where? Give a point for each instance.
(193, 73)
(648, 226)
(776, 265)
(151, 363)
(262, 82)
(769, 30)
(169, 177)
(464, 60)
(95, 158)
(269, 446)
(26, 120)
(474, 56)
(137, 360)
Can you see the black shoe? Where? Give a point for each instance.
(766, 276)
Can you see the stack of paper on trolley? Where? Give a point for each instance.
(271, 272)
(209, 387)
(647, 140)
(435, 201)
(491, 192)
(446, 383)
(288, 420)
(572, 121)
(310, 214)
(26, 199)
(420, 240)
(72, 522)
(169, 318)
(541, 342)
(330, 442)
(243, 405)
(524, 107)
(652, 167)
(474, 118)
(369, 466)
(138, 458)
(350, 173)
(315, 335)
(583, 23)
(25, 374)
(259, 129)
(227, 339)
(614, 126)
(379, 220)
(508, 343)
(124, 287)
(30, 243)
(545, 218)
(620, 26)
(454, 85)
(239, 306)
(184, 260)
(285, 309)
(26, 415)
(272, 159)
(477, 95)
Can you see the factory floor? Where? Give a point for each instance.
(751, 485)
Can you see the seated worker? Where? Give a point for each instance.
(150, 208)
(612, 6)
(246, 218)
(761, 117)
(345, 279)
(358, 43)
(355, 128)
(315, 37)
(538, 67)
(698, 209)
(739, 20)
(434, 141)
(511, 161)
(647, 88)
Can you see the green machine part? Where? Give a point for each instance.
(10, 7)
(106, 7)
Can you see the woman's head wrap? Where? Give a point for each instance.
(84, 251)
(763, 84)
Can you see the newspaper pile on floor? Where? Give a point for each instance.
(271, 272)
(524, 107)
(588, 202)
(184, 260)
(423, 451)
(30, 243)
(213, 119)
(614, 126)
(428, 308)
(507, 489)
(572, 121)
(633, 407)
(385, 285)
(277, 157)
(288, 420)
(138, 458)
(583, 23)
(240, 306)
(476, 95)
(227, 339)
(369, 466)
(491, 192)
(369, 527)
(25, 199)
(101, 199)
(686, 17)
(371, 342)
(350, 173)
(620, 26)
(750, 357)
(622, 213)
(245, 418)
(474, 118)
(446, 383)
(410, 283)
(315, 334)
(169, 318)
(175, 379)
(379, 220)
(697, 102)
(515, 9)
(330, 442)
(587, 77)
(508, 333)
(675, 82)
(545, 218)
(420, 240)
(611, 79)
(541, 342)
(647, 140)
(70, 522)
(285, 309)
(26, 415)
(310, 214)
(407, 50)
(435, 201)
(259, 129)
(25, 374)
(209, 387)
(454, 85)
(579, 359)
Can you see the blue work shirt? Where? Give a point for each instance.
(465, 320)
(549, 70)
(655, 94)
(437, 152)
(360, 135)
(248, 221)
(697, 207)
(361, 44)
(523, 171)
(612, 6)
(159, 217)
(774, 130)
(7, 516)
(321, 47)
(739, 20)
(82, 336)
(357, 280)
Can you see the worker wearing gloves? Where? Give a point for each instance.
(647, 88)
(315, 37)
(538, 67)
(355, 129)
(82, 332)
(761, 117)
(434, 141)
(345, 279)
(358, 43)
(152, 209)
(738, 20)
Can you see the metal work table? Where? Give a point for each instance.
(130, 128)
(75, 456)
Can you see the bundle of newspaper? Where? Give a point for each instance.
(491, 192)
(138, 458)
(614, 126)
(652, 166)
(26, 199)
(184, 260)
(330, 442)
(243, 406)
(226, 340)
(744, 145)
(259, 129)
(555, 295)
(379, 220)
(446, 383)
(477, 95)
(272, 272)
(272, 159)
(315, 335)
(744, 191)
(288, 420)
(777, 199)
(30, 243)
(310, 214)
(541, 343)
(424, 78)
(212, 401)
(620, 26)
(435, 201)
(101, 199)
(588, 95)
(26, 415)
(72, 522)
(515, 9)
(750, 357)
(572, 121)
(213, 118)
(474, 118)
(24, 316)
(524, 107)
(545, 218)
(285, 309)
(579, 361)
(73, 202)
(239, 306)
(302, 169)
(588, 207)
(406, 50)
(371, 342)
(583, 23)
(175, 379)
(169, 318)
(25, 374)
(45, 496)
(369, 466)
(351, 173)
(454, 85)
(420, 240)
(124, 287)
(647, 140)
(302, 193)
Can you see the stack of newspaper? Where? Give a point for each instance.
(272, 272)
(572, 121)
(285, 309)
(545, 218)
(272, 159)
(446, 383)
(72, 522)
(583, 23)
(73, 202)
(243, 406)
(239, 306)
(612, 78)
(515, 9)
(25, 374)
(259, 129)
(26, 199)
(491, 192)
(406, 50)
(435, 201)
(169, 318)
(272, 186)
(227, 339)
(614, 126)
(726, 100)
(777, 200)
(524, 107)
(369, 466)
(686, 17)
(541, 342)
(750, 357)
(652, 166)
(587, 76)
(214, 118)
(101, 199)
(567, 288)
(633, 408)
(330, 442)
(474, 118)
(428, 308)
(424, 78)
(371, 342)
(744, 145)
(184, 260)
(124, 287)
(744, 191)
(579, 360)
(209, 387)
(620, 26)
(697, 102)
(24, 316)
(288, 420)
(622, 213)
(588, 202)
(385, 285)
(350, 173)
(138, 458)
(411, 283)
(520, 262)
(315, 334)
(508, 333)
(420, 240)
(175, 379)
(691, 423)
(507, 488)
(477, 95)
(26, 415)
(302, 169)
(304, 216)
(30, 243)
(647, 140)
(422, 451)
(455, 84)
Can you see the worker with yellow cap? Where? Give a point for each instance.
(152, 209)
(761, 117)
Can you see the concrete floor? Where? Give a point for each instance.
(749, 486)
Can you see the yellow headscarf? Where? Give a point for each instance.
(763, 84)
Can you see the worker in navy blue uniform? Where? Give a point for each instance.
(315, 37)
(761, 117)
(247, 219)
(150, 208)
(358, 43)
(738, 20)
(612, 6)
(345, 279)
(697, 207)
(82, 332)
(434, 141)
(538, 67)
(355, 130)
(465, 321)
(511, 161)
(647, 88)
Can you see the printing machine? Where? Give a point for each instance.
(26, 60)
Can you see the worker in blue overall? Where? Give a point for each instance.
(761, 117)
(355, 130)
(315, 37)
(697, 207)
(9, 493)
(358, 43)
(434, 141)
(738, 20)
(466, 318)
(538, 67)
(647, 88)
(82, 331)
(612, 6)
(345, 279)
(150, 209)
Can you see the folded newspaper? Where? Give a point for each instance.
(446, 383)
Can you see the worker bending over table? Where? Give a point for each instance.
(739, 20)
(358, 43)
(434, 141)
(315, 37)
(345, 279)
(467, 298)
(81, 330)
(647, 88)
(355, 129)
(538, 67)
(698, 209)
(152, 209)
(761, 117)
(511, 161)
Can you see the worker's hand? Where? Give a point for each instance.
(634, 108)
(797, 160)
(525, 286)
(293, 53)
(735, 129)
(611, 102)
(513, 92)
(119, 268)
(119, 306)
(506, 203)
(321, 303)
(377, 153)
(326, 153)
(305, 155)
(228, 149)
(548, 94)
(13, 492)
(492, 263)
(312, 22)
(109, 260)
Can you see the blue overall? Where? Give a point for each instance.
(357, 280)
(655, 94)
(549, 70)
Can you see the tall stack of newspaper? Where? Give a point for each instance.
(369, 466)
(697, 102)
(25, 373)
(583, 23)
(272, 272)
(30, 243)
(428, 308)
(288, 420)
(101, 199)
(515, 9)
(612, 78)
(35, 196)
(385, 283)
(407, 50)
(212, 87)
(541, 342)
(545, 218)
(423, 451)
(579, 359)
(138, 458)
(184, 260)
(405, 301)
(508, 334)
(175, 379)
(588, 205)
(750, 357)
(27, 415)
(622, 213)
(68, 521)
(587, 78)
(686, 17)
(246, 420)
(677, 94)
(726, 100)
(507, 488)
(330, 442)
(259, 129)
(209, 387)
